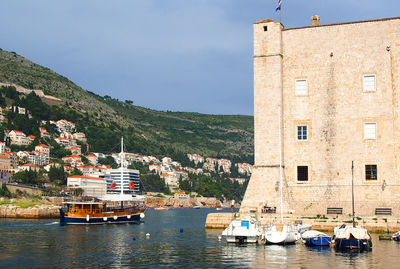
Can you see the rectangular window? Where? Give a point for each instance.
(302, 173)
(371, 172)
(302, 132)
(370, 130)
(301, 87)
(369, 83)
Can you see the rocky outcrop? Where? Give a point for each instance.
(37, 210)
(172, 202)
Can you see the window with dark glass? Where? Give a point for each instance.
(302, 173)
(302, 132)
(371, 172)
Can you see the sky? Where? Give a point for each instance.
(170, 55)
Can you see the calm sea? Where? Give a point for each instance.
(177, 239)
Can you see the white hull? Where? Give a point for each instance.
(287, 235)
(241, 239)
(242, 231)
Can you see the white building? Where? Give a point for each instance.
(127, 176)
(65, 126)
(92, 186)
(18, 138)
(29, 167)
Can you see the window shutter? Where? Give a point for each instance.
(370, 130)
(301, 87)
(369, 83)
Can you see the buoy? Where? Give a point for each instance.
(105, 218)
(142, 215)
(129, 216)
(181, 230)
(115, 217)
(87, 218)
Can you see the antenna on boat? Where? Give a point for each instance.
(122, 165)
(280, 161)
(352, 190)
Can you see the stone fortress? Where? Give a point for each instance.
(337, 87)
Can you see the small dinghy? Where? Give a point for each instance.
(242, 231)
(316, 239)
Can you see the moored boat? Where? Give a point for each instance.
(352, 237)
(396, 236)
(196, 207)
(218, 208)
(316, 238)
(242, 231)
(280, 234)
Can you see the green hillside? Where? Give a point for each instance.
(105, 119)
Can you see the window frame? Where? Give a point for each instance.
(302, 132)
(369, 175)
(306, 174)
(296, 90)
(363, 82)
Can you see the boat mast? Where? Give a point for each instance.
(122, 155)
(352, 190)
(280, 161)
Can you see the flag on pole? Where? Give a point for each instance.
(278, 7)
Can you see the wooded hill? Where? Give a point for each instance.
(105, 119)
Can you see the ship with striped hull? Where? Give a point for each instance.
(91, 210)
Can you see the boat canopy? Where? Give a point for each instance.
(357, 232)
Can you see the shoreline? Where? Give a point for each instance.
(374, 224)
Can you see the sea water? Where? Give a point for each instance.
(175, 238)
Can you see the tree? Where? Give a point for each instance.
(27, 177)
(57, 175)
(4, 192)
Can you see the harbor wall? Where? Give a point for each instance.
(322, 223)
(204, 202)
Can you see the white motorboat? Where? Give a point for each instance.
(242, 231)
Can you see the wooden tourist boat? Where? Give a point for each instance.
(91, 210)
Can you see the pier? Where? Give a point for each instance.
(374, 224)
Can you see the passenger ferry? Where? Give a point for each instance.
(120, 207)
(92, 210)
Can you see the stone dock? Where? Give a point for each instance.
(373, 224)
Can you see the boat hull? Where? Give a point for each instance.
(279, 238)
(318, 241)
(345, 244)
(133, 218)
(241, 239)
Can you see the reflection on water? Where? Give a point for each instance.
(177, 239)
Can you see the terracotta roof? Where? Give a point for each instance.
(98, 178)
(30, 165)
(42, 145)
(19, 132)
(4, 157)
